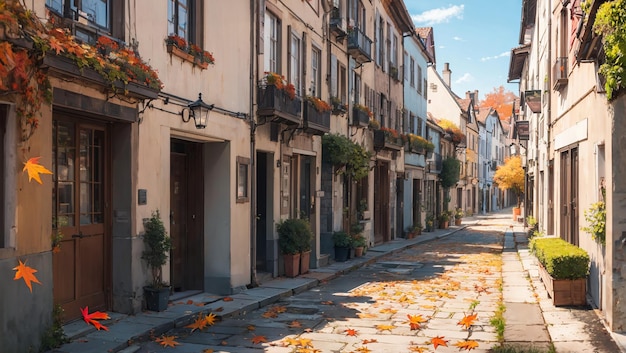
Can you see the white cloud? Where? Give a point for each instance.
(467, 77)
(501, 55)
(458, 39)
(441, 46)
(443, 14)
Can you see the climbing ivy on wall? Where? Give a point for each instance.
(610, 23)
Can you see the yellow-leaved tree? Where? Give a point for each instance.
(511, 176)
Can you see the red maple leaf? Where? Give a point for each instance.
(350, 332)
(439, 341)
(259, 339)
(467, 320)
(27, 273)
(90, 319)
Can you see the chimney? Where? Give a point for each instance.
(446, 74)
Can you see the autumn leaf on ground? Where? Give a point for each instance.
(385, 327)
(305, 343)
(269, 314)
(363, 350)
(33, 168)
(366, 315)
(227, 299)
(307, 350)
(415, 321)
(259, 339)
(279, 309)
(290, 342)
(251, 328)
(219, 310)
(295, 324)
(328, 302)
(27, 273)
(467, 321)
(466, 345)
(208, 350)
(167, 341)
(210, 319)
(199, 324)
(418, 349)
(350, 332)
(373, 340)
(91, 319)
(388, 311)
(439, 341)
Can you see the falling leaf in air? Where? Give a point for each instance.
(385, 327)
(259, 339)
(199, 324)
(439, 341)
(467, 321)
(33, 168)
(91, 319)
(415, 321)
(210, 319)
(167, 341)
(350, 332)
(27, 273)
(466, 345)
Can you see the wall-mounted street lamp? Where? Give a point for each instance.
(199, 111)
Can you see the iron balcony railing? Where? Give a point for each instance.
(314, 121)
(277, 105)
(359, 45)
(559, 72)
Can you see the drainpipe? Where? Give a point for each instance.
(549, 122)
(254, 25)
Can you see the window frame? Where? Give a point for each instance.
(242, 191)
(294, 71)
(91, 31)
(195, 33)
(272, 60)
(316, 71)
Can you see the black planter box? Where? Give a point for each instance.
(156, 298)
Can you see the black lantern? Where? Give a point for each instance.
(199, 111)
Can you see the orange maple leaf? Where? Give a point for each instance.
(363, 349)
(328, 302)
(56, 45)
(251, 328)
(208, 350)
(91, 319)
(290, 342)
(27, 273)
(385, 327)
(305, 342)
(269, 314)
(350, 332)
(366, 315)
(167, 341)
(415, 321)
(210, 319)
(227, 299)
(467, 321)
(466, 345)
(199, 324)
(417, 349)
(439, 341)
(33, 168)
(295, 324)
(373, 340)
(259, 339)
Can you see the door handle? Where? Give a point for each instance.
(79, 235)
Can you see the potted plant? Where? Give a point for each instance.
(157, 247)
(358, 240)
(563, 268)
(430, 223)
(305, 237)
(290, 244)
(342, 242)
(444, 220)
(458, 216)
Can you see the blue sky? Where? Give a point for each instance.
(475, 37)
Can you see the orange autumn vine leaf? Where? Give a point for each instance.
(167, 341)
(385, 327)
(350, 332)
(467, 321)
(466, 345)
(259, 339)
(439, 341)
(415, 321)
(92, 319)
(33, 168)
(199, 324)
(27, 273)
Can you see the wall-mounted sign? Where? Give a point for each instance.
(523, 130)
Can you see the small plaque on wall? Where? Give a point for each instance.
(142, 196)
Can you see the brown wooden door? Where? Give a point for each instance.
(381, 202)
(186, 216)
(80, 269)
(569, 195)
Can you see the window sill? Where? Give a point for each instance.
(184, 56)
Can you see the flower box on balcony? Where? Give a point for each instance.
(314, 121)
(360, 117)
(176, 51)
(275, 104)
(382, 140)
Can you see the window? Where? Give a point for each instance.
(425, 89)
(381, 38)
(184, 20)
(419, 126)
(243, 167)
(101, 16)
(412, 72)
(342, 83)
(316, 79)
(419, 79)
(357, 88)
(295, 62)
(394, 50)
(271, 43)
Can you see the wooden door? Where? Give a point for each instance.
(381, 202)
(569, 195)
(186, 216)
(81, 267)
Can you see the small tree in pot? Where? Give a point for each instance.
(157, 247)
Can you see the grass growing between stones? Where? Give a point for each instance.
(520, 349)
(497, 321)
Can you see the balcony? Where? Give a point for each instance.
(434, 162)
(359, 46)
(314, 121)
(384, 140)
(360, 117)
(559, 73)
(338, 24)
(274, 104)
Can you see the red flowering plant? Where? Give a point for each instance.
(320, 105)
(23, 77)
(365, 109)
(279, 81)
(199, 54)
(391, 135)
(177, 41)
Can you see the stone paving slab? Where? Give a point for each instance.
(264, 295)
(525, 333)
(296, 285)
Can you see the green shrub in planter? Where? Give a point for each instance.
(561, 259)
(294, 236)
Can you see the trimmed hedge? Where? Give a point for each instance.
(561, 259)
